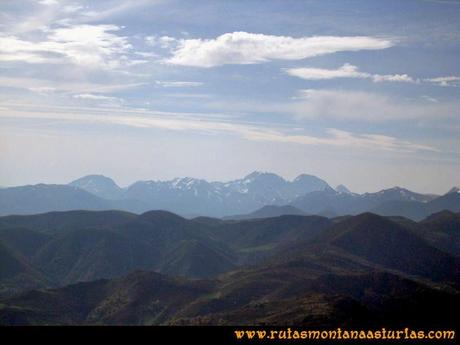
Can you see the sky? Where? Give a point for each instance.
(360, 93)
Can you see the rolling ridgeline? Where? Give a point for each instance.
(296, 253)
(114, 267)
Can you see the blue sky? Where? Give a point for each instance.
(363, 93)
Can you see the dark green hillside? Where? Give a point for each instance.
(53, 222)
(139, 298)
(285, 296)
(387, 243)
(306, 270)
(92, 253)
(260, 238)
(193, 258)
(17, 274)
(25, 241)
(442, 229)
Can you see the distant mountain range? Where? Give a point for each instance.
(239, 198)
(389, 202)
(353, 271)
(186, 196)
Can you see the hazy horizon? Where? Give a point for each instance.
(360, 93)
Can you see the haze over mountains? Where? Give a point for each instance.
(191, 197)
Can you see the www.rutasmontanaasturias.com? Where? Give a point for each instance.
(343, 334)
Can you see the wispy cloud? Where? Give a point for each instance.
(178, 83)
(350, 71)
(115, 8)
(345, 71)
(429, 99)
(93, 97)
(367, 106)
(189, 95)
(250, 48)
(140, 118)
(400, 78)
(345, 139)
(347, 106)
(42, 90)
(445, 81)
(72, 87)
(160, 41)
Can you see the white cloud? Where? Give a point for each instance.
(345, 71)
(445, 81)
(404, 78)
(93, 45)
(250, 48)
(91, 96)
(350, 71)
(178, 83)
(14, 49)
(86, 45)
